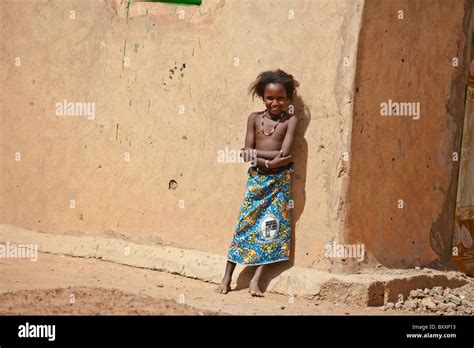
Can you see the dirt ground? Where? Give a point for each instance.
(89, 301)
(59, 284)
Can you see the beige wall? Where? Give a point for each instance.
(137, 111)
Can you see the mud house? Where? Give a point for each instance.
(169, 84)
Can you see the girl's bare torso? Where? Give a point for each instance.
(274, 141)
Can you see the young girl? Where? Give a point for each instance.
(263, 231)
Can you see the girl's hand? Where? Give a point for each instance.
(279, 162)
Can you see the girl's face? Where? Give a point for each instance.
(275, 98)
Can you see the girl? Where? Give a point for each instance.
(263, 231)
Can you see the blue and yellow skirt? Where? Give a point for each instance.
(263, 232)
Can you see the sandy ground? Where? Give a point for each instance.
(58, 284)
(89, 301)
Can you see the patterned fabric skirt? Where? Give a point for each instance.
(263, 232)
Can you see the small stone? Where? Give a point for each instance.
(389, 305)
(378, 266)
(451, 307)
(428, 303)
(438, 290)
(442, 306)
(410, 305)
(426, 291)
(417, 294)
(417, 268)
(447, 291)
(282, 307)
(454, 299)
(398, 305)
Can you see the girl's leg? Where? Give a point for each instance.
(253, 288)
(224, 288)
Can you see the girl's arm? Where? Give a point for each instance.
(250, 135)
(247, 151)
(275, 163)
(289, 136)
(266, 154)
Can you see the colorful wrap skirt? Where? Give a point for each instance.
(263, 232)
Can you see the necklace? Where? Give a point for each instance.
(265, 113)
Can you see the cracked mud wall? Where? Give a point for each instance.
(402, 191)
(169, 85)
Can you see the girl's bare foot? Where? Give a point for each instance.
(254, 289)
(224, 288)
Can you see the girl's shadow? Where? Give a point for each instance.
(298, 184)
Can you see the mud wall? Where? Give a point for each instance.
(402, 191)
(168, 86)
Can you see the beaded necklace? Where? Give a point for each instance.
(265, 113)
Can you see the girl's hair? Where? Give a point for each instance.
(273, 76)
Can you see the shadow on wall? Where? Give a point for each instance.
(298, 185)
